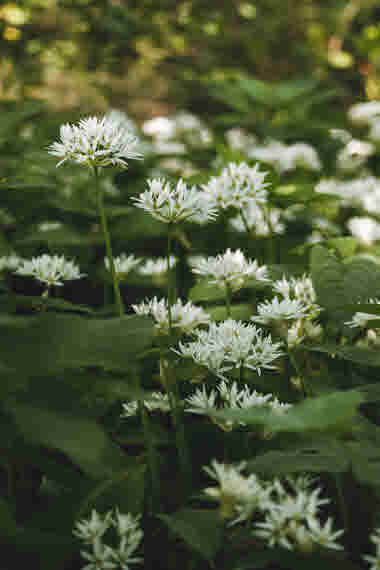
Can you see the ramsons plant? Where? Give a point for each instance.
(218, 407)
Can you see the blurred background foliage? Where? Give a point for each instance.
(149, 58)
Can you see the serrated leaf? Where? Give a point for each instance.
(202, 530)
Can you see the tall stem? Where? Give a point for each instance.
(154, 471)
(170, 282)
(107, 239)
(228, 300)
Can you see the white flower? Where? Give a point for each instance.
(361, 319)
(49, 226)
(230, 269)
(374, 560)
(123, 263)
(296, 288)
(261, 223)
(156, 267)
(96, 143)
(185, 317)
(176, 204)
(10, 262)
(89, 530)
(236, 185)
(200, 402)
(52, 270)
(354, 155)
(285, 158)
(239, 139)
(363, 113)
(323, 535)
(231, 344)
(100, 558)
(286, 309)
(374, 131)
(366, 229)
(157, 401)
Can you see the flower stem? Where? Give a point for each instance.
(154, 472)
(107, 239)
(170, 280)
(228, 300)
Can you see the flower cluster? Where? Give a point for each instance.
(374, 560)
(185, 316)
(260, 220)
(236, 186)
(284, 513)
(157, 401)
(96, 142)
(102, 556)
(51, 270)
(230, 269)
(285, 158)
(156, 267)
(231, 344)
(10, 262)
(123, 264)
(365, 320)
(229, 397)
(174, 204)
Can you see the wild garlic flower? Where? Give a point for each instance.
(102, 556)
(276, 310)
(185, 317)
(364, 113)
(229, 397)
(96, 142)
(156, 267)
(123, 264)
(174, 204)
(354, 155)
(296, 288)
(230, 269)
(374, 560)
(262, 223)
(292, 519)
(10, 262)
(51, 270)
(366, 229)
(231, 344)
(287, 157)
(157, 401)
(239, 496)
(236, 185)
(365, 320)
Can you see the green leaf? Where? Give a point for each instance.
(201, 529)
(280, 558)
(358, 354)
(241, 312)
(329, 412)
(203, 290)
(345, 246)
(50, 342)
(78, 437)
(318, 456)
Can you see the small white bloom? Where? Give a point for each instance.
(200, 402)
(89, 530)
(174, 204)
(354, 155)
(296, 288)
(10, 262)
(263, 224)
(236, 185)
(374, 131)
(230, 269)
(374, 560)
(157, 401)
(130, 409)
(285, 158)
(361, 319)
(96, 142)
(366, 229)
(287, 309)
(363, 113)
(323, 535)
(52, 270)
(156, 267)
(239, 139)
(123, 264)
(100, 558)
(49, 226)
(185, 317)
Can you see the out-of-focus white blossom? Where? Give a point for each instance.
(96, 143)
(239, 139)
(174, 204)
(354, 155)
(51, 270)
(365, 320)
(157, 401)
(10, 262)
(236, 186)
(285, 158)
(366, 229)
(286, 309)
(230, 269)
(185, 316)
(364, 113)
(260, 222)
(156, 267)
(123, 264)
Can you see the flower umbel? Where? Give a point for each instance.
(174, 204)
(51, 270)
(96, 142)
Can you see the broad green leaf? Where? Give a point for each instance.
(203, 290)
(275, 94)
(328, 279)
(50, 342)
(358, 354)
(241, 311)
(346, 246)
(201, 529)
(329, 412)
(282, 559)
(78, 437)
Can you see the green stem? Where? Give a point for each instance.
(245, 222)
(271, 249)
(228, 300)
(154, 472)
(170, 288)
(301, 376)
(342, 503)
(107, 239)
